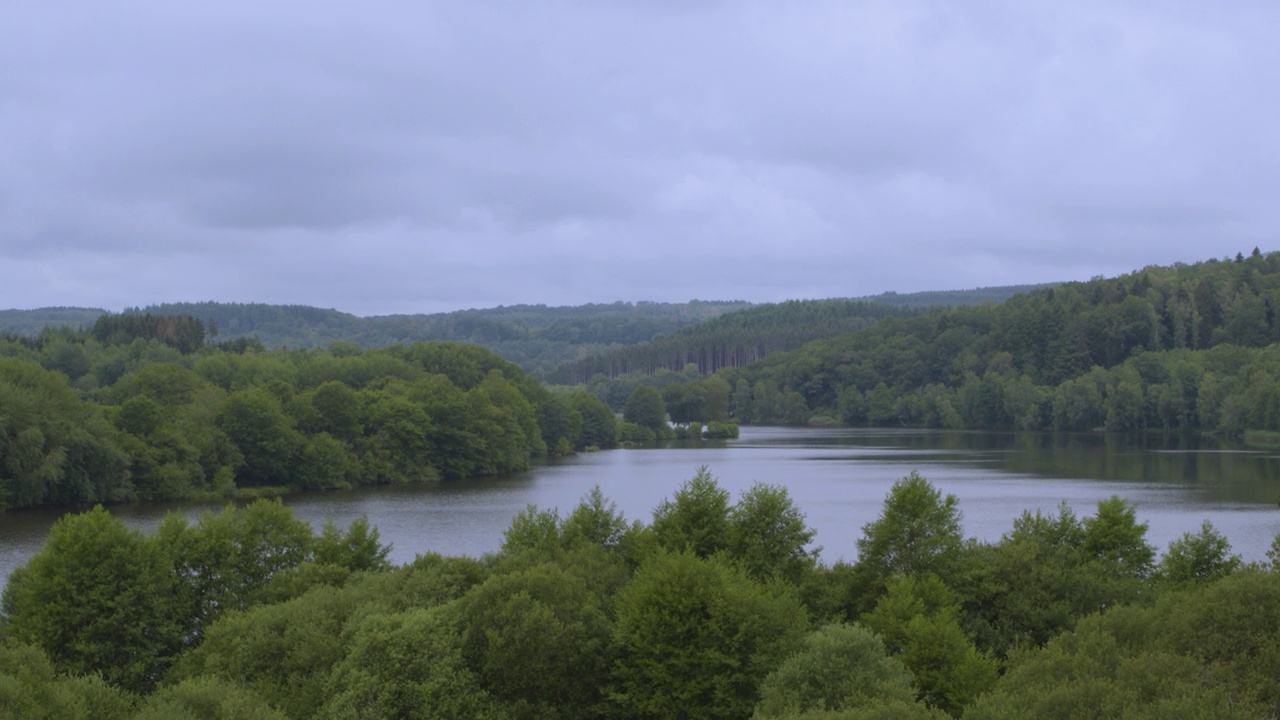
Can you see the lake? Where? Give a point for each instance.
(837, 476)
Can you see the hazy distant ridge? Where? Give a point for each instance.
(537, 337)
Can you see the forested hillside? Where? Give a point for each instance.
(954, 298)
(735, 339)
(713, 608)
(536, 337)
(1187, 347)
(743, 337)
(32, 322)
(139, 408)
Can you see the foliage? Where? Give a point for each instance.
(97, 598)
(145, 422)
(599, 423)
(644, 408)
(721, 431)
(538, 639)
(227, 559)
(918, 532)
(1187, 347)
(918, 617)
(32, 689)
(406, 665)
(696, 519)
(54, 447)
(248, 613)
(838, 667)
(1097, 670)
(183, 332)
(282, 652)
(1198, 558)
(695, 637)
(537, 337)
(1114, 536)
(207, 698)
(766, 534)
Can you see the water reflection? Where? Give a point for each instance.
(838, 476)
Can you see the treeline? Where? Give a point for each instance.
(954, 298)
(713, 609)
(84, 420)
(32, 322)
(536, 337)
(1188, 347)
(733, 340)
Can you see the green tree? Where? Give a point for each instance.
(1099, 671)
(768, 536)
(98, 598)
(32, 689)
(696, 519)
(1198, 557)
(838, 667)
(695, 638)
(538, 639)
(918, 617)
(339, 411)
(599, 424)
(357, 549)
(55, 449)
(407, 665)
(1034, 583)
(257, 424)
(282, 652)
(1114, 535)
(685, 403)
(644, 408)
(918, 532)
(597, 521)
(206, 698)
(225, 561)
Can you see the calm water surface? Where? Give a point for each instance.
(837, 476)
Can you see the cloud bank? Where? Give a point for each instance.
(419, 157)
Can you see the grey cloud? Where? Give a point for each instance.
(399, 156)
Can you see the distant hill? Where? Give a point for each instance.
(31, 322)
(742, 337)
(537, 337)
(954, 298)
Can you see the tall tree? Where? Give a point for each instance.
(644, 408)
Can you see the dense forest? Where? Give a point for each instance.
(1187, 347)
(140, 407)
(954, 298)
(733, 340)
(536, 337)
(711, 609)
(740, 338)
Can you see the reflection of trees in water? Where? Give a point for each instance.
(1217, 469)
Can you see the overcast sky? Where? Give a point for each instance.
(418, 156)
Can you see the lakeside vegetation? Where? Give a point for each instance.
(711, 609)
(139, 407)
(158, 407)
(1181, 348)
